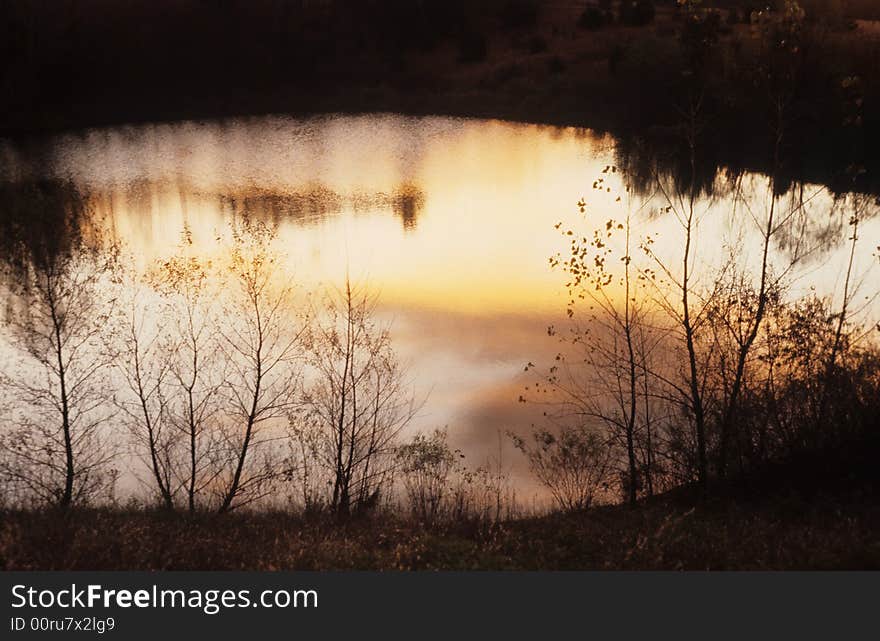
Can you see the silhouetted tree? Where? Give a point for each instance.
(261, 342)
(605, 384)
(358, 399)
(144, 361)
(58, 309)
(186, 282)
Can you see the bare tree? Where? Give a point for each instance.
(681, 306)
(860, 209)
(601, 377)
(187, 283)
(777, 72)
(262, 344)
(58, 311)
(145, 361)
(358, 400)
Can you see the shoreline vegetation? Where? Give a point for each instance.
(781, 526)
(737, 427)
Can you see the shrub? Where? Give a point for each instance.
(574, 464)
(425, 464)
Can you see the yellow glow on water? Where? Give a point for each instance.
(451, 220)
(450, 215)
(488, 194)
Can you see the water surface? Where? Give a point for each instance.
(451, 220)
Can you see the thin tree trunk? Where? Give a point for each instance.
(746, 346)
(151, 437)
(631, 421)
(249, 425)
(69, 471)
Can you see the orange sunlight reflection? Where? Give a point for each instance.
(452, 220)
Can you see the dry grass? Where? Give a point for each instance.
(786, 530)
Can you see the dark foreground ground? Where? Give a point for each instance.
(837, 529)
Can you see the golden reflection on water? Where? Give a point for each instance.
(439, 213)
(452, 220)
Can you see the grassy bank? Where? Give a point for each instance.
(784, 530)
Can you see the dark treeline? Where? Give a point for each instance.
(169, 55)
(79, 63)
(793, 71)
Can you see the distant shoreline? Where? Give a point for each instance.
(744, 152)
(615, 79)
(558, 110)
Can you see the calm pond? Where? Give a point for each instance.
(451, 221)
